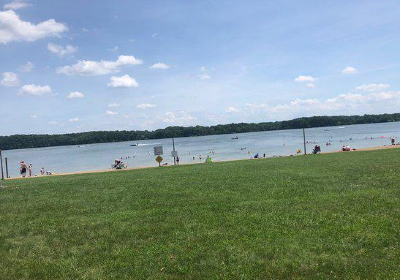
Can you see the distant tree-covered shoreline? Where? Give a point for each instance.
(45, 140)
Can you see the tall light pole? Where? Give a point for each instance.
(1, 163)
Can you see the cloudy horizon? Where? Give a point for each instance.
(146, 65)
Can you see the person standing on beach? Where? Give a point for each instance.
(30, 170)
(22, 169)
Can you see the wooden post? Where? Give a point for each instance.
(6, 159)
(304, 139)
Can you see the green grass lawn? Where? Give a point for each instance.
(331, 216)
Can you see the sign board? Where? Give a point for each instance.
(158, 150)
(159, 159)
(174, 154)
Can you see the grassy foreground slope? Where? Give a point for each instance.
(320, 217)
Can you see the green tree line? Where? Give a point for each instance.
(20, 141)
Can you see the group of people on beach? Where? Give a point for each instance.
(200, 157)
(24, 168)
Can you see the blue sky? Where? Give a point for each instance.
(71, 66)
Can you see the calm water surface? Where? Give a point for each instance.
(219, 147)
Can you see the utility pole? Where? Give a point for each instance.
(304, 139)
(173, 148)
(1, 161)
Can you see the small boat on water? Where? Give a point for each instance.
(135, 144)
(235, 138)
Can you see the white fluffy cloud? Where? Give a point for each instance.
(74, 120)
(204, 75)
(75, 94)
(35, 90)
(349, 70)
(232, 110)
(372, 87)
(102, 67)
(113, 105)
(15, 5)
(111, 113)
(179, 118)
(159, 65)
(349, 103)
(10, 79)
(146, 106)
(124, 81)
(302, 79)
(27, 67)
(13, 29)
(60, 50)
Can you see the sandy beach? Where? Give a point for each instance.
(146, 167)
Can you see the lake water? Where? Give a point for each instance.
(220, 147)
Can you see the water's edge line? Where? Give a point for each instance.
(185, 164)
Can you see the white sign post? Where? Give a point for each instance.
(158, 150)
